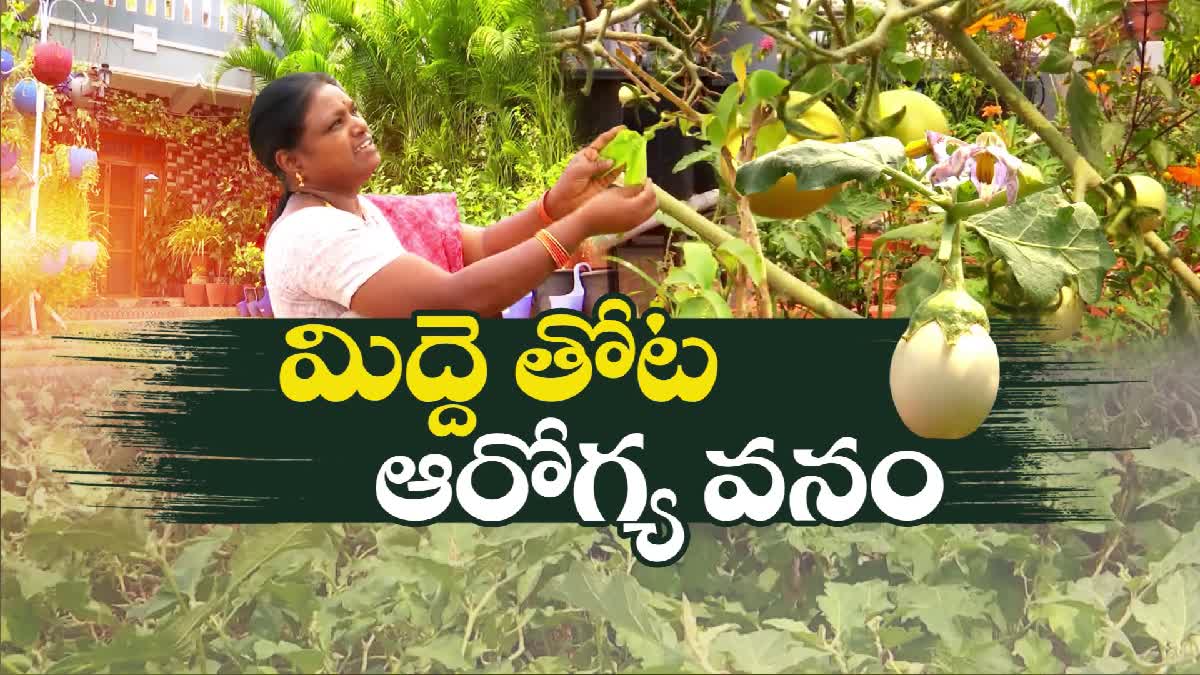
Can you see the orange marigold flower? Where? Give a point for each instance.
(990, 22)
(1188, 175)
(1018, 27)
(992, 111)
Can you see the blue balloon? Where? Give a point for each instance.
(80, 158)
(6, 64)
(25, 96)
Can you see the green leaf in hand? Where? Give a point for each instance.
(628, 150)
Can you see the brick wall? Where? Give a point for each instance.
(194, 170)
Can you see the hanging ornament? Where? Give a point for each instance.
(25, 96)
(79, 159)
(51, 63)
(8, 157)
(79, 88)
(6, 64)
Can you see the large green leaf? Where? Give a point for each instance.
(620, 600)
(919, 282)
(819, 164)
(734, 253)
(848, 606)
(1175, 617)
(1048, 242)
(1038, 654)
(767, 651)
(946, 610)
(698, 259)
(1083, 111)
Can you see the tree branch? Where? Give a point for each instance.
(630, 11)
(780, 280)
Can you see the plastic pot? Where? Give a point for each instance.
(521, 309)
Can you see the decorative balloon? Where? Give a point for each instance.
(6, 64)
(79, 159)
(51, 63)
(25, 96)
(8, 157)
(83, 254)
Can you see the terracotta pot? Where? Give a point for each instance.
(194, 295)
(215, 293)
(1144, 18)
(233, 293)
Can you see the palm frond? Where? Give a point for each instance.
(262, 64)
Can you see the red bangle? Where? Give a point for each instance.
(542, 212)
(556, 250)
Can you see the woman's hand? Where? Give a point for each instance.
(585, 176)
(620, 209)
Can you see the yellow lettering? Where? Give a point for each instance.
(451, 428)
(661, 351)
(615, 358)
(571, 357)
(323, 383)
(447, 386)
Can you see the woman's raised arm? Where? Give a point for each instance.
(493, 283)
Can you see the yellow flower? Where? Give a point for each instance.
(956, 77)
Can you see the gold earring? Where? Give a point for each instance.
(299, 180)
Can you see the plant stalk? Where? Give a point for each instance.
(779, 279)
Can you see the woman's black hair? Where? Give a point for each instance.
(277, 121)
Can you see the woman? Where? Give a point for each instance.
(332, 253)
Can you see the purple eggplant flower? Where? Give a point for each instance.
(986, 163)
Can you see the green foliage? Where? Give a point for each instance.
(482, 200)
(246, 265)
(462, 84)
(85, 589)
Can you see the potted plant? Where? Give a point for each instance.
(245, 270)
(188, 241)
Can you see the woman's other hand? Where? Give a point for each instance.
(585, 176)
(619, 209)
